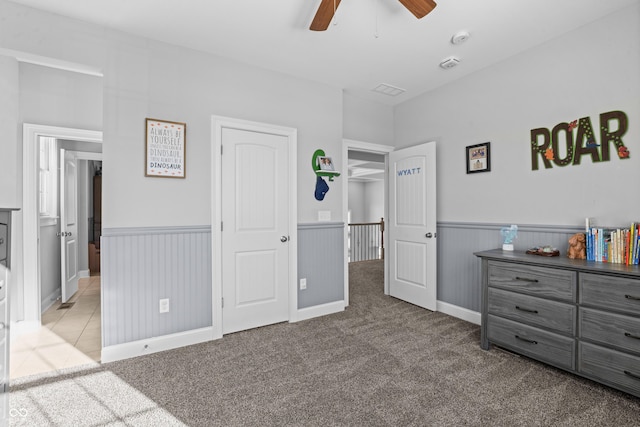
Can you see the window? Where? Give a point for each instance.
(48, 181)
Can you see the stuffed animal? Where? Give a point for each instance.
(577, 247)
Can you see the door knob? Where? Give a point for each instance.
(283, 239)
(429, 235)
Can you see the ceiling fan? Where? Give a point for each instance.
(327, 9)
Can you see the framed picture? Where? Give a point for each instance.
(325, 163)
(479, 158)
(165, 149)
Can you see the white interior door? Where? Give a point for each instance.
(68, 224)
(255, 229)
(412, 225)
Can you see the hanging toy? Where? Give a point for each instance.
(323, 167)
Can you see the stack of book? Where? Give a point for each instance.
(619, 246)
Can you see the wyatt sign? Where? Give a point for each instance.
(546, 144)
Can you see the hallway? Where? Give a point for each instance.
(68, 337)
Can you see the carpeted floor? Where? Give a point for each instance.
(382, 362)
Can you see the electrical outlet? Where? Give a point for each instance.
(303, 283)
(164, 305)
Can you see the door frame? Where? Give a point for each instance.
(30, 227)
(350, 144)
(217, 124)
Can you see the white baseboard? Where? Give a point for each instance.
(318, 310)
(83, 273)
(156, 344)
(459, 312)
(49, 300)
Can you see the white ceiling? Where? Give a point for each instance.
(406, 52)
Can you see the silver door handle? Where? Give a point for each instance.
(428, 235)
(284, 239)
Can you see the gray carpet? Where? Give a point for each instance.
(382, 362)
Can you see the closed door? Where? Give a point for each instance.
(412, 225)
(68, 224)
(255, 229)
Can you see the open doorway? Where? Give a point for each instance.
(364, 202)
(55, 334)
(365, 217)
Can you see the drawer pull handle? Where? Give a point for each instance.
(627, 334)
(526, 340)
(526, 279)
(528, 310)
(632, 297)
(632, 375)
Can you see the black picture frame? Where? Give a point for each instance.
(478, 157)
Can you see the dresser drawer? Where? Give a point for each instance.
(611, 367)
(532, 280)
(557, 316)
(610, 328)
(616, 293)
(545, 346)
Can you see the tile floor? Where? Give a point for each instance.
(67, 338)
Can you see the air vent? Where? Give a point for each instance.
(449, 62)
(389, 90)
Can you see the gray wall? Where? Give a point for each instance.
(50, 288)
(367, 121)
(586, 72)
(321, 262)
(356, 201)
(366, 201)
(564, 79)
(459, 278)
(140, 266)
(144, 78)
(9, 88)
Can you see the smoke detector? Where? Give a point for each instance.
(460, 37)
(449, 62)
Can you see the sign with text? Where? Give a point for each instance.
(568, 142)
(165, 149)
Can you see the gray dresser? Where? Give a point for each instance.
(5, 263)
(580, 316)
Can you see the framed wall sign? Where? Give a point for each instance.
(165, 149)
(479, 157)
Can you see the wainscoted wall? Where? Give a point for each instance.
(321, 262)
(140, 266)
(459, 270)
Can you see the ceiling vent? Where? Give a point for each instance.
(449, 62)
(389, 90)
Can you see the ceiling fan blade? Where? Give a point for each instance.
(420, 8)
(324, 15)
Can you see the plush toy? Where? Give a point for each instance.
(577, 247)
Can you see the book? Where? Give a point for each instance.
(617, 246)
